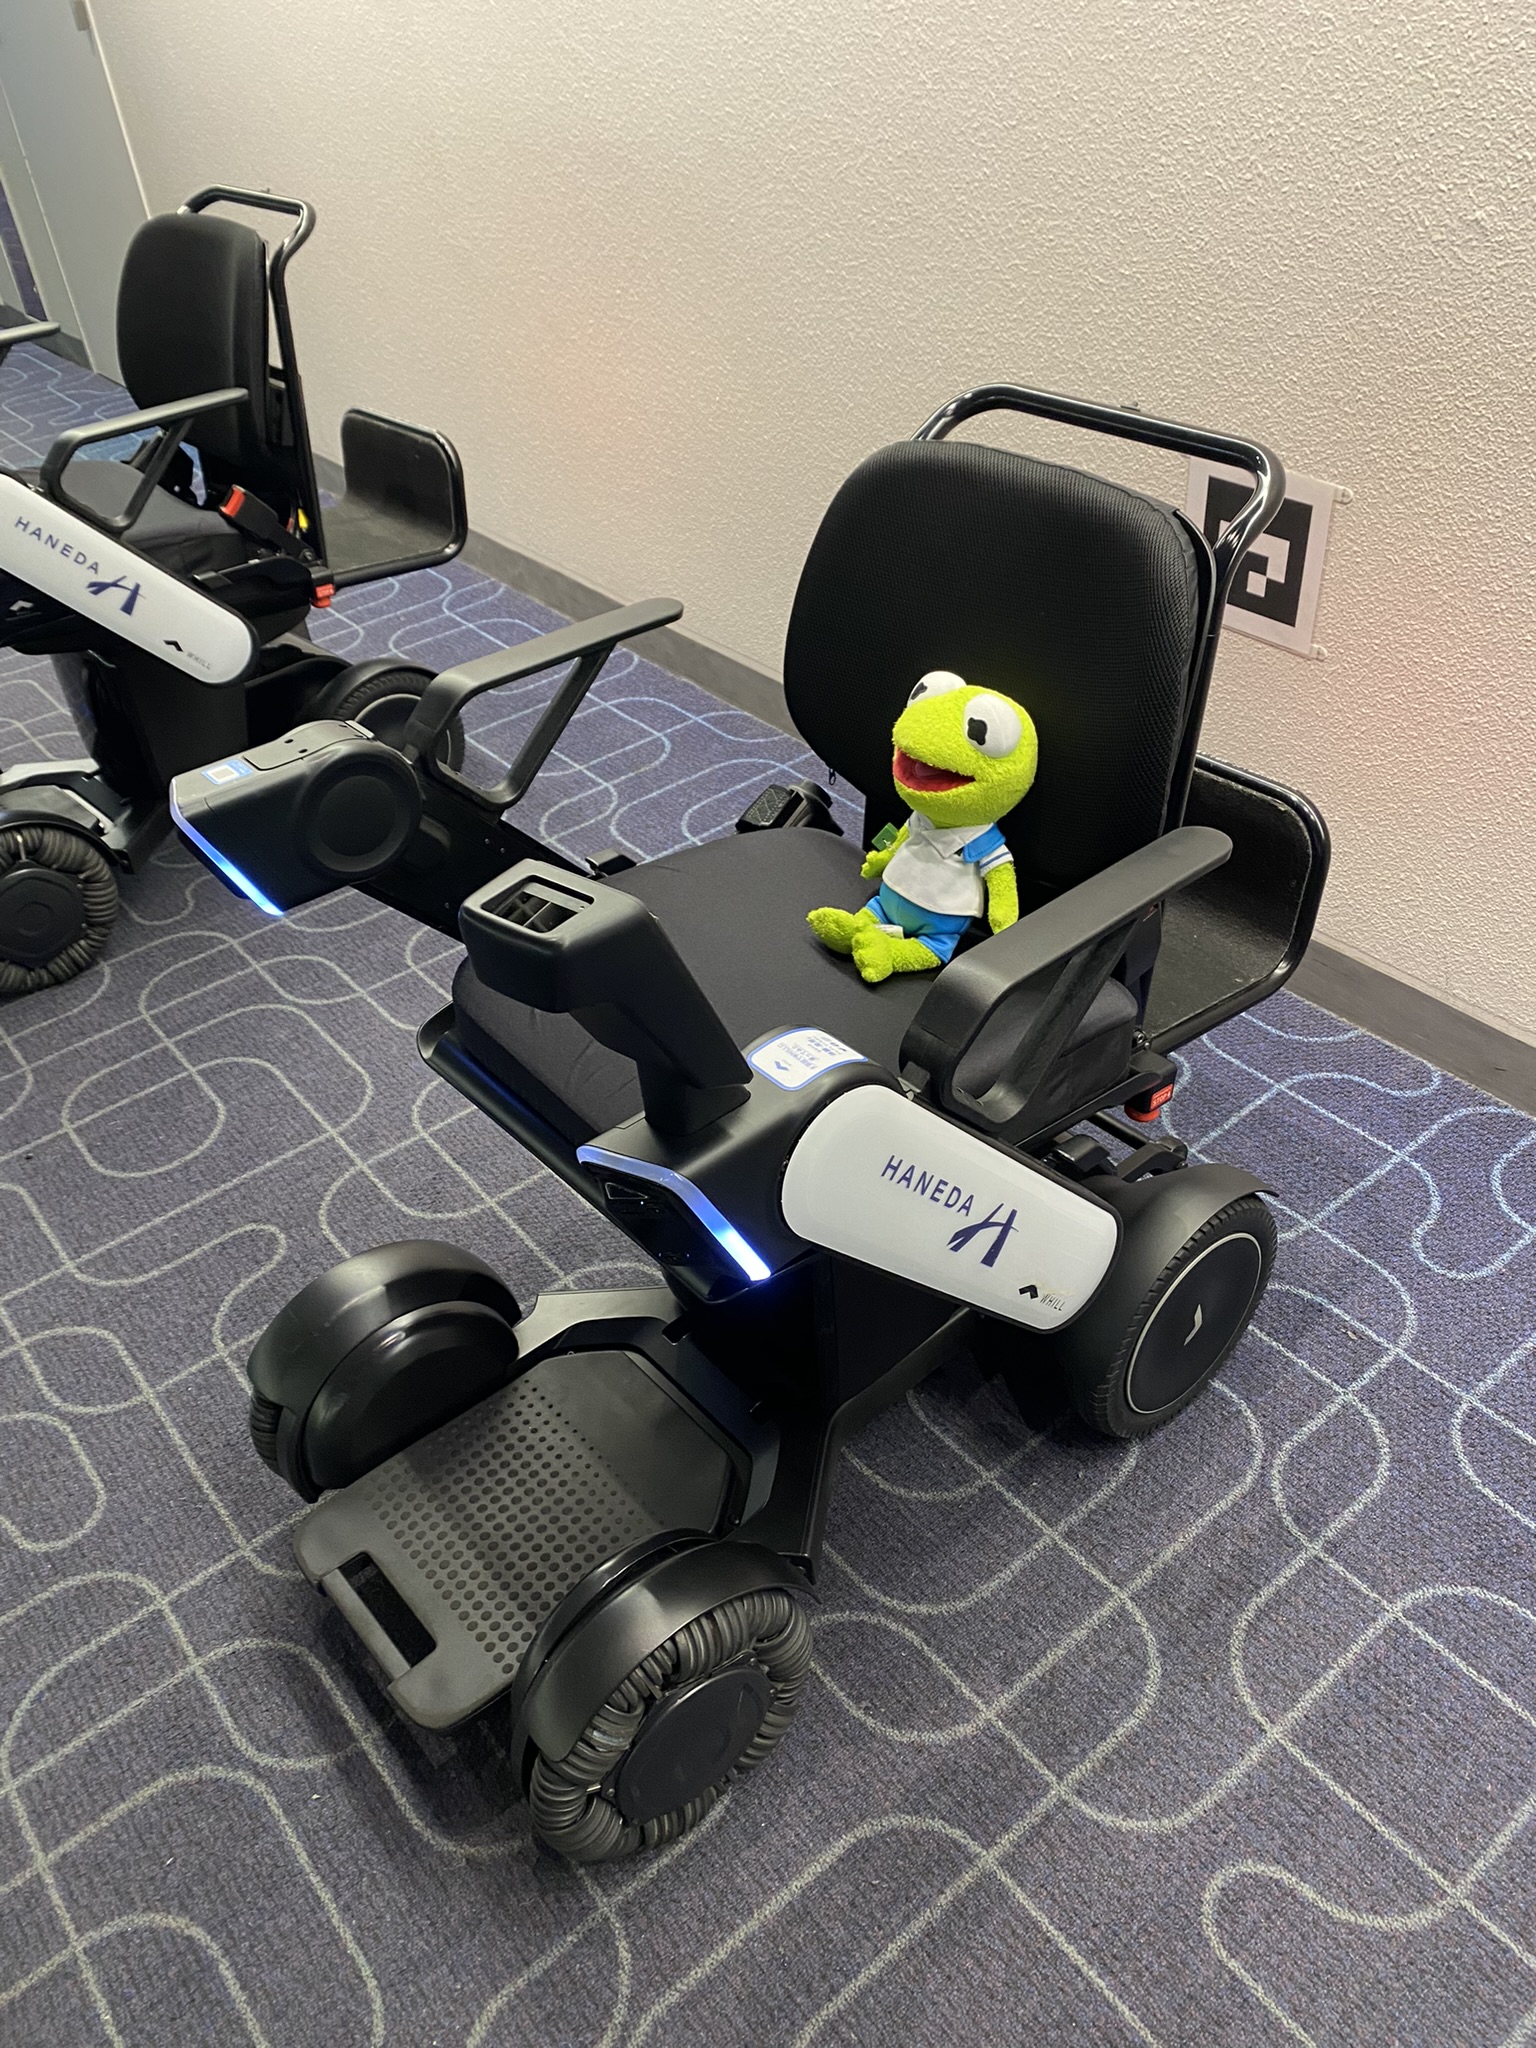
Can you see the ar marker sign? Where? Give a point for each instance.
(1275, 592)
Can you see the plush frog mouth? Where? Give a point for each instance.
(923, 776)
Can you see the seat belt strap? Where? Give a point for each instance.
(251, 516)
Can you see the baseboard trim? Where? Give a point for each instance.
(723, 675)
(735, 682)
(1490, 1059)
(60, 344)
(1449, 1038)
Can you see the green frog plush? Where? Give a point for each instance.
(963, 758)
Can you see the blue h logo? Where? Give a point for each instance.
(117, 583)
(1001, 1226)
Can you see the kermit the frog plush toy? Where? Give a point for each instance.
(963, 758)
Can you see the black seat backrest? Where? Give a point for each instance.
(192, 317)
(1086, 601)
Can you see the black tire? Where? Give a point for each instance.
(383, 702)
(265, 1420)
(58, 904)
(744, 1662)
(1212, 1285)
(372, 1356)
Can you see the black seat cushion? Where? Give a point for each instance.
(1083, 599)
(735, 910)
(181, 537)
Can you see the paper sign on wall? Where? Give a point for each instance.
(1275, 591)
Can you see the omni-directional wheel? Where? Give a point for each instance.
(712, 1703)
(381, 695)
(1193, 1264)
(374, 1355)
(58, 904)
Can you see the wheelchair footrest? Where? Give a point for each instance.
(447, 1558)
(404, 503)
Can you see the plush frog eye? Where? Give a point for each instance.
(936, 683)
(992, 726)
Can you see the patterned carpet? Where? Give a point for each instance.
(1226, 1739)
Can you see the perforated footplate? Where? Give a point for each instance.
(484, 1526)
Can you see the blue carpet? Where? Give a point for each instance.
(1229, 1738)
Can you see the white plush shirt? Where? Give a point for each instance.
(930, 869)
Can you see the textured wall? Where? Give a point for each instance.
(665, 273)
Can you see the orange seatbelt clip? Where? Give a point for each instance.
(231, 505)
(324, 592)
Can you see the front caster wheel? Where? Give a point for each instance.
(58, 904)
(373, 1356)
(712, 1703)
(1172, 1310)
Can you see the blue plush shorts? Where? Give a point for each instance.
(939, 930)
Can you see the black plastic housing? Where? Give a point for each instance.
(705, 1203)
(983, 1044)
(559, 942)
(325, 805)
(805, 805)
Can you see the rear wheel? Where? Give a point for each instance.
(1129, 1379)
(58, 904)
(712, 1703)
(382, 700)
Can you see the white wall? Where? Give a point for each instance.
(665, 273)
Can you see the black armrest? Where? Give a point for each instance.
(173, 419)
(30, 330)
(588, 644)
(1083, 933)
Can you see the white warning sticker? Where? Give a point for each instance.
(795, 1057)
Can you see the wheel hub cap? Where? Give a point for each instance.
(41, 912)
(1194, 1322)
(690, 1740)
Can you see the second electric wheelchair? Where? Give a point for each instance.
(598, 1516)
(175, 616)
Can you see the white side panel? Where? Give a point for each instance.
(67, 558)
(884, 1180)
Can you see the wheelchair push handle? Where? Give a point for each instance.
(561, 943)
(292, 387)
(265, 202)
(1127, 424)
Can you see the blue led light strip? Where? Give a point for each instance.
(225, 867)
(720, 1228)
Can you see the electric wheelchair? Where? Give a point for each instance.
(600, 1515)
(175, 616)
